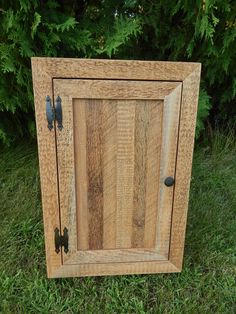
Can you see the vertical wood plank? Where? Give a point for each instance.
(184, 164)
(125, 172)
(142, 119)
(109, 142)
(170, 122)
(66, 172)
(153, 171)
(42, 85)
(94, 172)
(80, 138)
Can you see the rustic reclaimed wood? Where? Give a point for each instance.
(80, 135)
(109, 173)
(128, 152)
(152, 174)
(169, 148)
(102, 269)
(184, 165)
(42, 85)
(146, 101)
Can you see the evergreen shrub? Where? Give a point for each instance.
(181, 30)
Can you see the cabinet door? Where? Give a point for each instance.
(117, 146)
(116, 161)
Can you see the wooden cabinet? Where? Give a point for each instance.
(115, 141)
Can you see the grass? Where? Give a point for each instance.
(206, 284)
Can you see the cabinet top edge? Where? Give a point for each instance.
(45, 68)
(52, 59)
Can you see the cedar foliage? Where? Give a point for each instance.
(203, 31)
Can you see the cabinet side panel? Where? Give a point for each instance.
(42, 85)
(184, 165)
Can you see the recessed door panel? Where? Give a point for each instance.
(117, 146)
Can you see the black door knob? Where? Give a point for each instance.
(169, 181)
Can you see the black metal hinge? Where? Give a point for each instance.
(61, 240)
(54, 113)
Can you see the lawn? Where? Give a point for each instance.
(206, 284)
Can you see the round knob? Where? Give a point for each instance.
(169, 181)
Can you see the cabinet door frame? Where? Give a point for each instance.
(44, 70)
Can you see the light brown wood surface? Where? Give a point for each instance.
(184, 165)
(169, 143)
(115, 256)
(115, 69)
(102, 269)
(110, 194)
(80, 135)
(109, 173)
(115, 165)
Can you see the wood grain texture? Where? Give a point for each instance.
(95, 172)
(167, 168)
(154, 141)
(42, 86)
(94, 147)
(134, 130)
(109, 140)
(47, 69)
(81, 182)
(116, 69)
(125, 173)
(184, 165)
(109, 89)
(142, 120)
(108, 269)
(66, 172)
(115, 256)
(146, 130)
